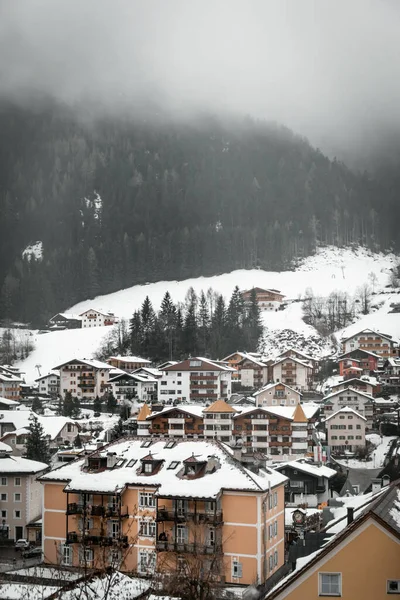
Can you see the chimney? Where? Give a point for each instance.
(350, 515)
(376, 485)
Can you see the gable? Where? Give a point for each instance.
(364, 574)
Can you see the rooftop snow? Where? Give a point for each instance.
(17, 464)
(230, 474)
(21, 420)
(306, 467)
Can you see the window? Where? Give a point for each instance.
(147, 561)
(66, 555)
(195, 363)
(17, 497)
(173, 464)
(17, 514)
(358, 426)
(170, 444)
(393, 586)
(4, 481)
(148, 467)
(147, 499)
(4, 514)
(147, 528)
(3, 497)
(330, 584)
(145, 444)
(236, 569)
(132, 462)
(275, 498)
(86, 556)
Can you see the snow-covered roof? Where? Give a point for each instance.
(271, 386)
(309, 409)
(345, 409)
(251, 358)
(216, 366)
(150, 371)
(8, 402)
(306, 467)
(348, 389)
(292, 359)
(368, 331)
(96, 364)
(355, 350)
(21, 419)
(17, 464)
(134, 359)
(229, 473)
(5, 448)
(191, 409)
(9, 377)
(68, 316)
(47, 376)
(134, 377)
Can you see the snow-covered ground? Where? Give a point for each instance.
(382, 445)
(331, 269)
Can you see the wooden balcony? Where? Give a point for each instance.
(74, 537)
(212, 518)
(189, 548)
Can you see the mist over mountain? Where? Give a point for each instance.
(126, 152)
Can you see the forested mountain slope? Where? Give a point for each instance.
(117, 202)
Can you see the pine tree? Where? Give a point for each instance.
(252, 323)
(234, 323)
(118, 430)
(111, 403)
(218, 328)
(78, 441)
(167, 318)
(37, 446)
(135, 333)
(97, 405)
(68, 407)
(204, 324)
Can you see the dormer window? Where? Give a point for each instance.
(193, 466)
(148, 467)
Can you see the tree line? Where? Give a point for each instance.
(204, 325)
(118, 202)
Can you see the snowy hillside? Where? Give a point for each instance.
(332, 269)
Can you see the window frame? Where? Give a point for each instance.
(320, 583)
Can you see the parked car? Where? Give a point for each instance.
(22, 544)
(31, 552)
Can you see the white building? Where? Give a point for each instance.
(345, 430)
(294, 373)
(84, 378)
(10, 384)
(277, 394)
(350, 397)
(96, 318)
(49, 384)
(20, 493)
(127, 386)
(195, 380)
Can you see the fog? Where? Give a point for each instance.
(327, 69)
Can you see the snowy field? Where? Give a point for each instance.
(331, 269)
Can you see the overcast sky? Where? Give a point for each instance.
(329, 69)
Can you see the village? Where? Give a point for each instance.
(249, 473)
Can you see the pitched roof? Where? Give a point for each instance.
(348, 389)
(270, 386)
(292, 359)
(346, 409)
(299, 415)
(229, 473)
(306, 467)
(384, 335)
(207, 364)
(17, 464)
(97, 364)
(136, 359)
(144, 412)
(220, 406)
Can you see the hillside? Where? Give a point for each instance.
(110, 203)
(329, 270)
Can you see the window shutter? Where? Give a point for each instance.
(239, 570)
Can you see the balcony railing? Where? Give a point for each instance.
(189, 548)
(74, 537)
(214, 518)
(97, 510)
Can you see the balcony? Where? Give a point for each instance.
(88, 539)
(212, 518)
(97, 510)
(189, 548)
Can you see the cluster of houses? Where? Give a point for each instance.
(89, 318)
(208, 476)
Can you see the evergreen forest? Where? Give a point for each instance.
(121, 201)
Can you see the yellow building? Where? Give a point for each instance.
(141, 504)
(360, 563)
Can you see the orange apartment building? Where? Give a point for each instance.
(10, 384)
(266, 299)
(145, 504)
(372, 341)
(361, 562)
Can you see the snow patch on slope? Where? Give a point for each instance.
(34, 251)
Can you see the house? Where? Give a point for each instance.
(96, 318)
(218, 421)
(345, 430)
(294, 353)
(127, 386)
(14, 429)
(378, 343)
(391, 371)
(266, 299)
(49, 384)
(253, 372)
(20, 493)
(308, 483)
(10, 384)
(368, 385)
(8, 404)
(360, 402)
(360, 562)
(294, 373)
(233, 360)
(358, 362)
(182, 421)
(155, 504)
(83, 378)
(65, 321)
(195, 380)
(128, 363)
(275, 394)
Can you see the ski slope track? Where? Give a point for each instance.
(329, 270)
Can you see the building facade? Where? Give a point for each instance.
(358, 401)
(49, 384)
(163, 504)
(84, 378)
(345, 430)
(96, 318)
(293, 372)
(267, 300)
(277, 394)
(372, 341)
